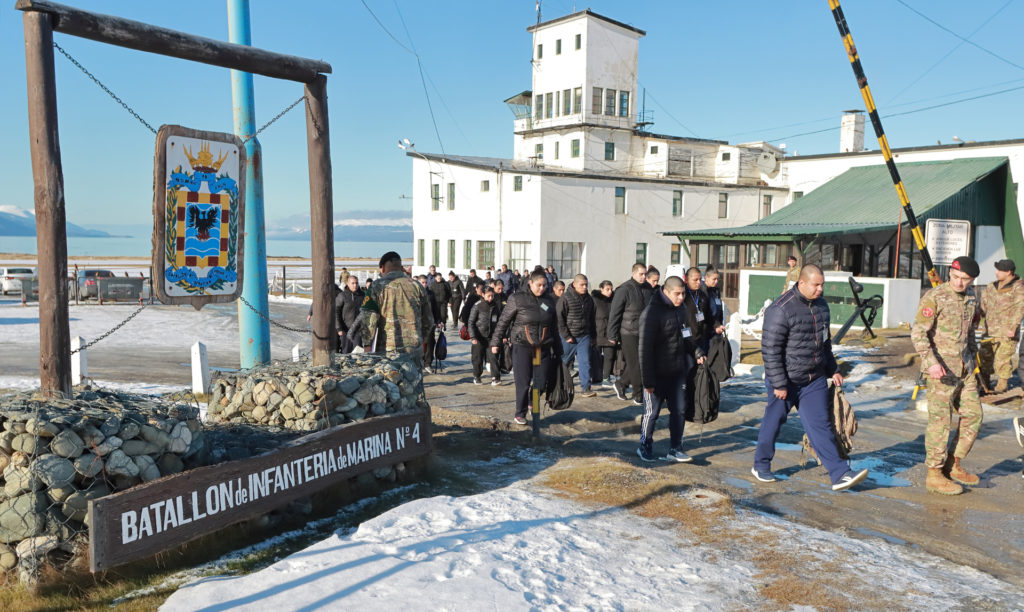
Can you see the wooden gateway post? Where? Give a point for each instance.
(41, 19)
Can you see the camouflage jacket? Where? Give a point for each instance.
(397, 312)
(944, 328)
(792, 276)
(1003, 308)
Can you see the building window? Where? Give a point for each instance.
(620, 200)
(595, 103)
(484, 254)
(575, 152)
(579, 41)
(723, 206)
(558, 47)
(766, 205)
(518, 255)
(549, 103)
(436, 252)
(797, 195)
(566, 101)
(641, 253)
(623, 103)
(609, 150)
(677, 203)
(565, 257)
(451, 196)
(517, 183)
(654, 149)
(726, 156)
(538, 107)
(609, 101)
(556, 149)
(435, 196)
(420, 250)
(467, 254)
(558, 103)
(485, 185)
(703, 257)
(540, 51)
(451, 255)
(577, 100)
(538, 151)
(674, 255)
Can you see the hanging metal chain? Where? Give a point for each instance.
(143, 121)
(103, 87)
(302, 330)
(111, 330)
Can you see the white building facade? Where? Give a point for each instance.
(588, 189)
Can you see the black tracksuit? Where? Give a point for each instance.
(668, 353)
(482, 319)
(457, 291)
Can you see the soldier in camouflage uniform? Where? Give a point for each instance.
(943, 334)
(396, 312)
(793, 274)
(1003, 305)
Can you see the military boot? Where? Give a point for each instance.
(1001, 385)
(938, 483)
(961, 475)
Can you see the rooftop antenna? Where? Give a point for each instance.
(538, 12)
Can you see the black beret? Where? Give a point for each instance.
(967, 265)
(1006, 265)
(393, 256)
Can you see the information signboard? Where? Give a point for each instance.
(198, 209)
(947, 239)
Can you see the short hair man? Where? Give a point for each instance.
(796, 344)
(943, 335)
(629, 300)
(575, 314)
(558, 288)
(396, 310)
(457, 293)
(1002, 304)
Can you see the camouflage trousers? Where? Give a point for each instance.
(942, 401)
(998, 356)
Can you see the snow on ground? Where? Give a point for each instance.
(521, 548)
(20, 383)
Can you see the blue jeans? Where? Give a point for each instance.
(581, 349)
(811, 400)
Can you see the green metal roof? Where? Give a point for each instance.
(863, 199)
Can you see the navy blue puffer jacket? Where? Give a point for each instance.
(796, 342)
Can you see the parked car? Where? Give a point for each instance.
(10, 278)
(87, 282)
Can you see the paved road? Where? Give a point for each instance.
(984, 528)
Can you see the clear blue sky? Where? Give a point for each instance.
(737, 71)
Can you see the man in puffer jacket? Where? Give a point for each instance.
(668, 351)
(630, 299)
(575, 312)
(796, 344)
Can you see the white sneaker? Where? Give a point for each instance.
(849, 479)
(677, 454)
(1018, 428)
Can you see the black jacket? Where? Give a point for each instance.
(628, 301)
(796, 341)
(442, 293)
(575, 314)
(471, 283)
(697, 302)
(664, 351)
(473, 298)
(528, 320)
(720, 358)
(482, 317)
(714, 295)
(602, 306)
(346, 308)
(456, 289)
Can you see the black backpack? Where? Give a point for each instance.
(441, 348)
(560, 389)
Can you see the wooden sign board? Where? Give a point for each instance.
(198, 216)
(159, 515)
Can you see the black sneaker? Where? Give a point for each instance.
(677, 454)
(1018, 428)
(620, 392)
(637, 402)
(762, 475)
(645, 455)
(477, 381)
(495, 382)
(849, 479)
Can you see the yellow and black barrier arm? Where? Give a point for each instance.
(883, 143)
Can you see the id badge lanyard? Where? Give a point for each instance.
(696, 305)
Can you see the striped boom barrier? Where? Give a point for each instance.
(876, 123)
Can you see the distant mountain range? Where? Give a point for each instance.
(16, 221)
(351, 226)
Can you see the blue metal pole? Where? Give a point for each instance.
(253, 329)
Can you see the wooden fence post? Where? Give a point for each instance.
(321, 208)
(51, 241)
